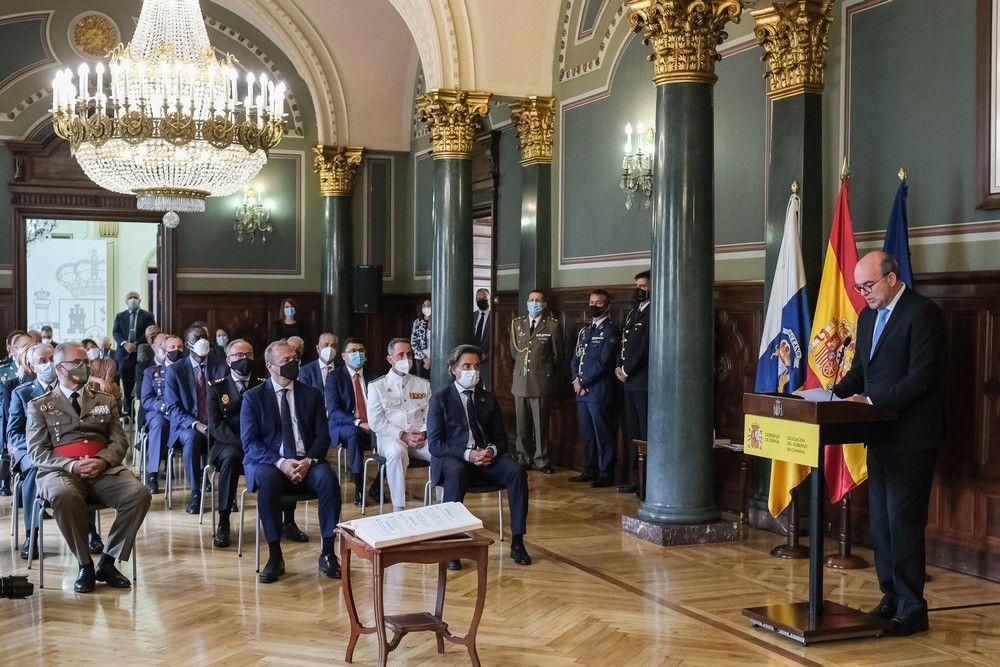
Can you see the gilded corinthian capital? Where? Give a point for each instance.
(533, 116)
(452, 116)
(685, 35)
(793, 35)
(337, 166)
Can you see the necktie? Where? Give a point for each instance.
(531, 329)
(323, 370)
(131, 326)
(75, 400)
(883, 315)
(287, 432)
(478, 437)
(479, 328)
(199, 381)
(359, 400)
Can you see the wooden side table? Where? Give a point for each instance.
(471, 546)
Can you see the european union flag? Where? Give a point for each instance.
(897, 236)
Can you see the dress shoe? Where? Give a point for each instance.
(272, 570)
(520, 555)
(194, 505)
(628, 488)
(373, 492)
(547, 469)
(884, 610)
(24, 550)
(583, 477)
(329, 565)
(152, 484)
(4, 488)
(904, 627)
(455, 565)
(368, 500)
(602, 482)
(85, 582)
(291, 531)
(110, 575)
(222, 536)
(94, 542)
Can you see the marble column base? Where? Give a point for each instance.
(675, 534)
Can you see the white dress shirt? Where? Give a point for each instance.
(300, 448)
(471, 445)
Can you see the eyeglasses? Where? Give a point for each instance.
(864, 289)
(241, 355)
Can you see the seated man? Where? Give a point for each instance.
(397, 413)
(285, 438)
(468, 442)
(76, 440)
(167, 349)
(315, 372)
(347, 409)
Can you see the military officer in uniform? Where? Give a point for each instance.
(76, 440)
(152, 398)
(536, 344)
(593, 365)
(632, 371)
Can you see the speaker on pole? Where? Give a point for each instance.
(366, 288)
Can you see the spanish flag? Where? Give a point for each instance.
(836, 320)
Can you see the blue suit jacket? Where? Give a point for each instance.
(448, 426)
(119, 332)
(17, 420)
(340, 395)
(260, 426)
(594, 359)
(311, 375)
(182, 394)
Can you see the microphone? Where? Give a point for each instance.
(840, 361)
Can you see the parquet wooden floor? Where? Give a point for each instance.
(594, 596)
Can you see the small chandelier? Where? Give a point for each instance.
(167, 123)
(637, 165)
(252, 218)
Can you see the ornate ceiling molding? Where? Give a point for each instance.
(567, 73)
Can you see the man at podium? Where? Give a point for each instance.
(898, 353)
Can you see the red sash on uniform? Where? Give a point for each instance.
(80, 448)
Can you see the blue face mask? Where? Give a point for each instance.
(356, 359)
(289, 312)
(535, 307)
(46, 373)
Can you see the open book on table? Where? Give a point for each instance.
(421, 523)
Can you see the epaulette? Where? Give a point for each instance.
(219, 381)
(101, 393)
(260, 379)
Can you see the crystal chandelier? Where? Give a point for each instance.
(165, 121)
(637, 165)
(252, 218)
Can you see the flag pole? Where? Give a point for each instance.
(844, 559)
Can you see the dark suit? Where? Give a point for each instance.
(260, 420)
(342, 410)
(634, 360)
(904, 376)
(17, 441)
(482, 337)
(225, 400)
(312, 375)
(153, 399)
(124, 333)
(144, 358)
(593, 365)
(448, 441)
(182, 408)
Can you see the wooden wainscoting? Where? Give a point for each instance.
(7, 317)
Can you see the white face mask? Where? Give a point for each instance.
(426, 310)
(403, 366)
(468, 379)
(326, 355)
(160, 356)
(201, 347)
(94, 353)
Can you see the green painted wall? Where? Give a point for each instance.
(508, 217)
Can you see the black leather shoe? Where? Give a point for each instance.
(368, 500)
(455, 565)
(547, 469)
(583, 477)
(85, 582)
(329, 565)
(222, 536)
(94, 542)
(884, 610)
(194, 505)
(602, 482)
(24, 550)
(628, 488)
(153, 483)
(904, 627)
(4, 488)
(112, 577)
(290, 530)
(272, 570)
(520, 555)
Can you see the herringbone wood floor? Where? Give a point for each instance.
(593, 596)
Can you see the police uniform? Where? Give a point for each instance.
(53, 429)
(634, 361)
(536, 344)
(593, 365)
(8, 383)
(398, 403)
(225, 452)
(154, 407)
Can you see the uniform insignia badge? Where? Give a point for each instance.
(43, 407)
(417, 395)
(101, 410)
(225, 399)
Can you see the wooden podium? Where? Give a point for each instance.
(788, 428)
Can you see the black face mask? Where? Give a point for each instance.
(641, 294)
(290, 371)
(175, 355)
(596, 311)
(242, 366)
(483, 304)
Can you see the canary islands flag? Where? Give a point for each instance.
(781, 363)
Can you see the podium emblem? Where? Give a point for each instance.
(778, 410)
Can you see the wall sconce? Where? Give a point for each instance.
(252, 218)
(637, 165)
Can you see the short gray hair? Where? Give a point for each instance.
(62, 349)
(32, 354)
(457, 353)
(396, 341)
(269, 352)
(230, 344)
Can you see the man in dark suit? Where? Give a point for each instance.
(285, 439)
(347, 408)
(632, 371)
(897, 365)
(593, 366)
(8, 382)
(187, 405)
(145, 356)
(129, 327)
(468, 442)
(482, 336)
(167, 350)
(315, 372)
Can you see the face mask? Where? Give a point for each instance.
(221, 340)
(596, 311)
(356, 359)
(173, 356)
(535, 307)
(47, 341)
(403, 366)
(468, 379)
(290, 371)
(242, 367)
(132, 304)
(326, 355)
(640, 294)
(159, 356)
(482, 304)
(94, 353)
(201, 347)
(426, 310)
(79, 375)
(46, 373)
(289, 312)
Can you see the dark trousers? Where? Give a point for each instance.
(158, 430)
(595, 427)
(456, 475)
(899, 490)
(228, 461)
(195, 447)
(356, 440)
(272, 483)
(126, 371)
(636, 417)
